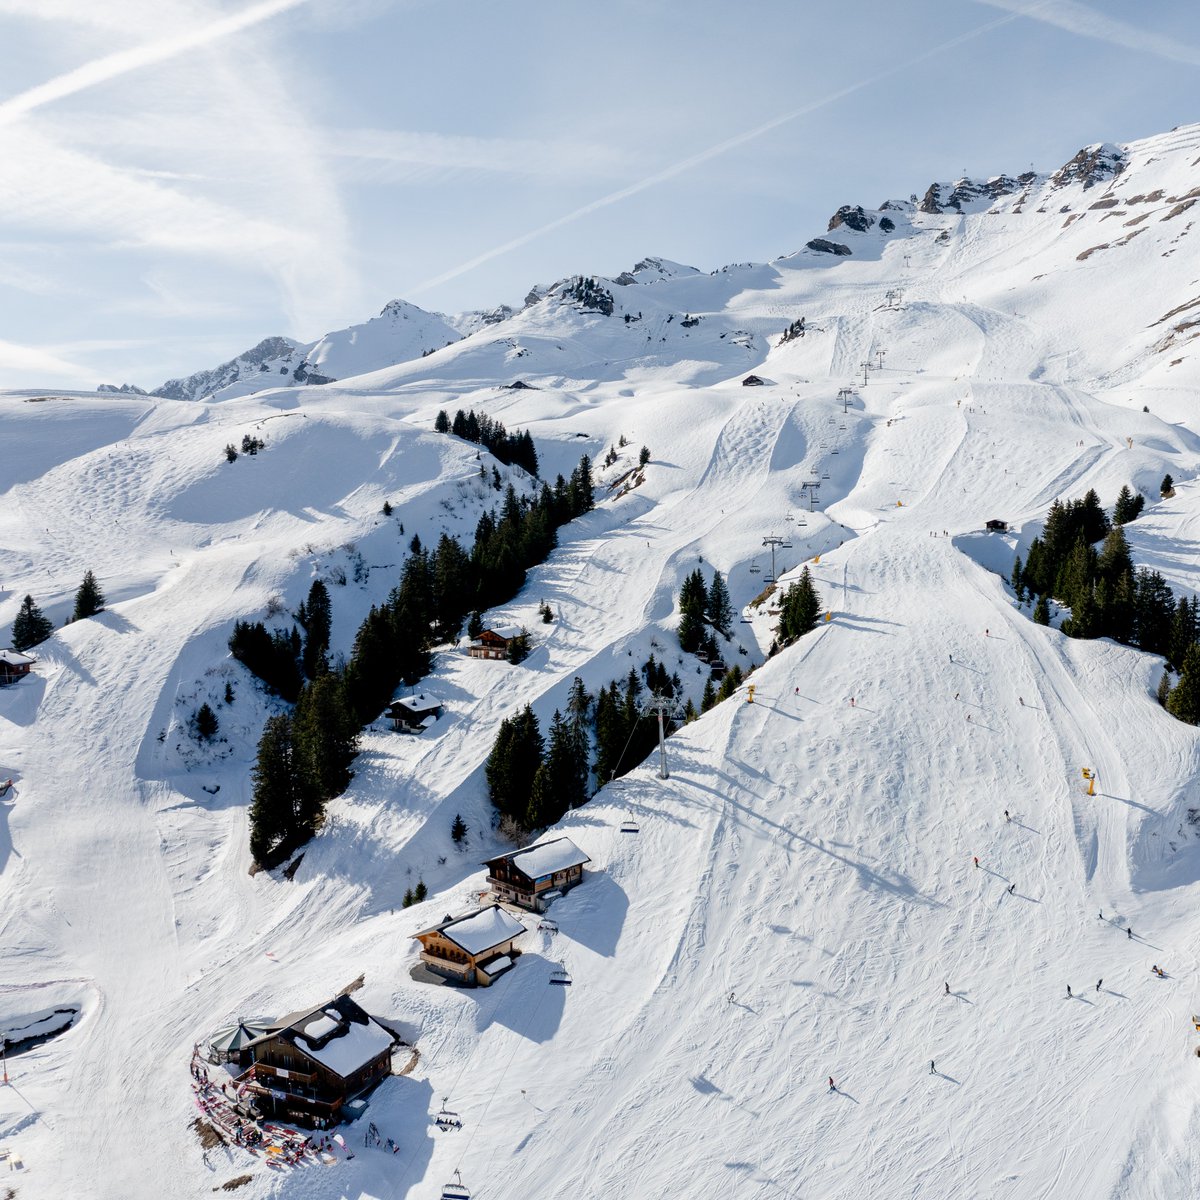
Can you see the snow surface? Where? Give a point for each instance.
(802, 886)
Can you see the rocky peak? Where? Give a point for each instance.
(971, 194)
(1092, 165)
(853, 216)
(129, 389)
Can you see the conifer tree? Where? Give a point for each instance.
(458, 830)
(719, 609)
(89, 599)
(316, 615)
(441, 423)
(325, 732)
(1041, 611)
(30, 626)
(1164, 688)
(276, 803)
(1184, 700)
(205, 723)
(709, 697)
(693, 604)
(800, 609)
(1167, 486)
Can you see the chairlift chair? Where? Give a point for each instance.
(755, 569)
(824, 474)
(560, 975)
(785, 545)
(629, 825)
(456, 1190)
(447, 1120)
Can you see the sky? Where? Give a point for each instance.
(181, 178)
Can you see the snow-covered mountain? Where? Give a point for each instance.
(801, 900)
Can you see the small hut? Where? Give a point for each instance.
(473, 949)
(537, 875)
(493, 643)
(753, 381)
(14, 665)
(414, 714)
(997, 527)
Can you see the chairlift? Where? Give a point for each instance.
(747, 621)
(456, 1190)
(824, 474)
(447, 1120)
(629, 825)
(785, 545)
(561, 975)
(836, 450)
(755, 569)
(546, 925)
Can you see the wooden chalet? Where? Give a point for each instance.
(537, 875)
(311, 1063)
(473, 949)
(753, 381)
(492, 643)
(997, 527)
(414, 714)
(14, 665)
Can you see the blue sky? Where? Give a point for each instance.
(184, 177)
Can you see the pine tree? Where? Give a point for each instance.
(518, 647)
(1017, 584)
(274, 808)
(1164, 688)
(325, 732)
(1184, 701)
(643, 456)
(30, 626)
(1041, 611)
(420, 891)
(730, 683)
(205, 723)
(89, 599)
(709, 697)
(1093, 521)
(689, 711)
(693, 604)
(475, 625)
(516, 755)
(1153, 613)
(318, 622)
(719, 610)
(458, 830)
(1183, 631)
(1167, 486)
(441, 422)
(1126, 507)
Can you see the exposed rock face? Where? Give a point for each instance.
(853, 217)
(256, 360)
(129, 389)
(945, 197)
(886, 224)
(821, 246)
(1092, 165)
(586, 293)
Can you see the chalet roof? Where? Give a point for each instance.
(338, 1034)
(504, 631)
(15, 658)
(418, 704)
(479, 931)
(545, 858)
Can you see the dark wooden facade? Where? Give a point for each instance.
(14, 665)
(525, 877)
(286, 1074)
(489, 644)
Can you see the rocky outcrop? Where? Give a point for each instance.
(887, 225)
(853, 216)
(586, 293)
(128, 389)
(269, 352)
(1092, 165)
(973, 193)
(821, 246)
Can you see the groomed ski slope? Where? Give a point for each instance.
(802, 886)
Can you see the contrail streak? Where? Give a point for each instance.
(112, 66)
(703, 156)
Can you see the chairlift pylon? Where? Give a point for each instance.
(456, 1189)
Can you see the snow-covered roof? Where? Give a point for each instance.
(419, 704)
(545, 858)
(479, 931)
(504, 631)
(15, 658)
(497, 965)
(346, 1052)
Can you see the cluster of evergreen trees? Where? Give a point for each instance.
(1106, 596)
(700, 607)
(799, 609)
(31, 626)
(516, 449)
(531, 782)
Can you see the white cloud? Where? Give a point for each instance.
(35, 362)
(1086, 22)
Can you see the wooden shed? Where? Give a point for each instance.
(997, 527)
(472, 949)
(414, 714)
(533, 877)
(14, 665)
(314, 1061)
(753, 381)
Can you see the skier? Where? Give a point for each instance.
(987, 633)
(1098, 983)
(956, 695)
(1022, 700)
(1006, 816)
(1012, 887)
(932, 1069)
(952, 658)
(851, 701)
(947, 989)
(1068, 991)
(1102, 914)
(968, 716)
(832, 1085)
(976, 858)
(1129, 931)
